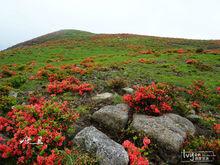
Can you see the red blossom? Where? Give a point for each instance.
(196, 105)
(134, 153)
(149, 99)
(33, 125)
(216, 128)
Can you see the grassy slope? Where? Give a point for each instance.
(73, 46)
(117, 56)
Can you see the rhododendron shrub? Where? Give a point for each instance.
(180, 51)
(198, 91)
(135, 153)
(151, 99)
(87, 62)
(191, 61)
(60, 82)
(146, 52)
(37, 132)
(216, 128)
(69, 84)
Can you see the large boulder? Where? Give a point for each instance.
(105, 149)
(114, 117)
(169, 130)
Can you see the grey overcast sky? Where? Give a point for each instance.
(22, 20)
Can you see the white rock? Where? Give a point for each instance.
(103, 96)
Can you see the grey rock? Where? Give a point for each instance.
(13, 94)
(112, 117)
(103, 96)
(169, 130)
(128, 90)
(105, 149)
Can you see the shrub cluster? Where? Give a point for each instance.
(36, 132)
(152, 99)
(135, 153)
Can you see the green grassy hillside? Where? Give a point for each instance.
(123, 51)
(52, 80)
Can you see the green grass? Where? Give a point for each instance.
(73, 46)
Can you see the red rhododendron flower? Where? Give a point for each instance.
(134, 153)
(146, 141)
(37, 128)
(195, 105)
(216, 128)
(151, 99)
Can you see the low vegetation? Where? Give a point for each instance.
(46, 86)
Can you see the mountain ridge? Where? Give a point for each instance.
(78, 34)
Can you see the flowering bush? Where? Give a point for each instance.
(7, 71)
(216, 128)
(135, 153)
(60, 82)
(198, 91)
(69, 84)
(37, 132)
(191, 61)
(151, 99)
(146, 52)
(57, 73)
(87, 62)
(180, 51)
(142, 60)
(218, 90)
(196, 105)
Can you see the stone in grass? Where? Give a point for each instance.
(128, 90)
(114, 117)
(105, 149)
(13, 94)
(169, 130)
(103, 96)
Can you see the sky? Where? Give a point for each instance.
(21, 20)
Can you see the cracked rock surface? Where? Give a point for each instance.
(169, 130)
(114, 117)
(105, 149)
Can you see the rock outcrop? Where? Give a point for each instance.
(114, 117)
(105, 149)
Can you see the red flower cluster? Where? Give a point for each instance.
(191, 61)
(216, 128)
(52, 73)
(142, 60)
(180, 51)
(218, 90)
(150, 99)
(73, 69)
(196, 105)
(69, 84)
(7, 71)
(135, 154)
(36, 131)
(146, 52)
(87, 62)
(198, 91)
